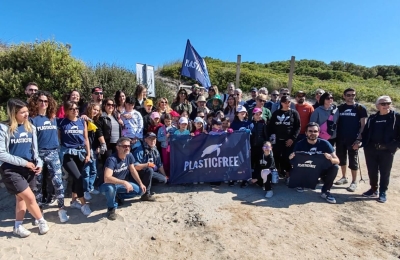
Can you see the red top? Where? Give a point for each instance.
(305, 112)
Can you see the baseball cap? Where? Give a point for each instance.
(241, 109)
(198, 120)
(174, 114)
(148, 102)
(155, 115)
(151, 135)
(196, 86)
(216, 122)
(254, 90)
(130, 100)
(183, 120)
(257, 110)
(284, 99)
(96, 89)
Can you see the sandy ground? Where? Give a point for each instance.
(199, 222)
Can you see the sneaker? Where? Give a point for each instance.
(342, 181)
(87, 195)
(370, 193)
(300, 189)
(75, 205)
(147, 197)
(111, 215)
(86, 210)
(95, 192)
(328, 197)
(62, 214)
(382, 197)
(352, 187)
(269, 194)
(43, 227)
(21, 231)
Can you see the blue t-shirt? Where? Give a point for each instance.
(349, 122)
(21, 144)
(47, 134)
(321, 146)
(119, 167)
(71, 133)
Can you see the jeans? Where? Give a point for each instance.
(378, 160)
(111, 190)
(89, 174)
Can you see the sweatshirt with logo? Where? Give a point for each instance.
(285, 125)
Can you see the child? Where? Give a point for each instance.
(175, 117)
(216, 128)
(267, 162)
(198, 127)
(210, 117)
(183, 124)
(163, 135)
(219, 115)
(226, 125)
(190, 123)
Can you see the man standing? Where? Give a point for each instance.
(352, 119)
(97, 97)
(148, 164)
(314, 145)
(305, 110)
(277, 105)
(230, 91)
(274, 99)
(251, 103)
(116, 168)
(195, 93)
(239, 95)
(31, 89)
(318, 94)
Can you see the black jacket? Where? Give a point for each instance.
(392, 134)
(104, 127)
(259, 133)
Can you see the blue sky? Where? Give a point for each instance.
(125, 32)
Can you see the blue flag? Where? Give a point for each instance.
(210, 158)
(194, 66)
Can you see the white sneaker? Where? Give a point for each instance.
(87, 195)
(352, 187)
(43, 227)
(86, 210)
(342, 181)
(21, 231)
(75, 205)
(62, 214)
(95, 192)
(269, 194)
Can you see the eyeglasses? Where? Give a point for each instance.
(328, 98)
(350, 95)
(110, 105)
(43, 101)
(385, 104)
(262, 100)
(125, 146)
(33, 90)
(74, 109)
(313, 131)
(98, 93)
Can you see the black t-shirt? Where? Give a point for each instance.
(349, 122)
(307, 168)
(378, 128)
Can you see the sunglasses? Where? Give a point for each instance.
(110, 105)
(350, 95)
(201, 116)
(313, 131)
(98, 93)
(287, 102)
(285, 94)
(74, 109)
(211, 89)
(385, 104)
(266, 147)
(328, 98)
(163, 102)
(182, 93)
(125, 146)
(300, 96)
(262, 100)
(33, 90)
(275, 95)
(43, 101)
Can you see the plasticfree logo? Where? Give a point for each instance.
(74, 127)
(47, 123)
(23, 135)
(307, 164)
(348, 112)
(210, 149)
(23, 138)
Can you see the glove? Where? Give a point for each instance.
(103, 148)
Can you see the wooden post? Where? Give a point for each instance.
(239, 57)
(290, 83)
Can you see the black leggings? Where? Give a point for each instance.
(74, 166)
(281, 156)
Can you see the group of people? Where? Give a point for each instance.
(120, 146)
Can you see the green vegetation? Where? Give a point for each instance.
(309, 75)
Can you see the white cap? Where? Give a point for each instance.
(183, 120)
(241, 109)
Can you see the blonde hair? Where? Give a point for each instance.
(13, 107)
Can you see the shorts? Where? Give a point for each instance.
(342, 150)
(17, 178)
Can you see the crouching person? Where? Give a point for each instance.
(148, 164)
(116, 168)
